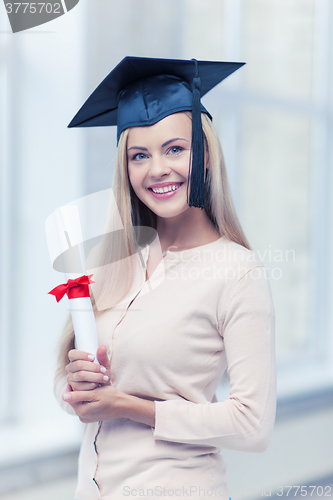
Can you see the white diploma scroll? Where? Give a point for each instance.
(65, 244)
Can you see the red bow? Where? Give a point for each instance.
(74, 288)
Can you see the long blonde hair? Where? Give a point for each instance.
(114, 281)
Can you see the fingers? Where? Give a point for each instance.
(84, 386)
(102, 356)
(79, 397)
(86, 367)
(83, 374)
(77, 374)
(79, 401)
(93, 406)
(75, 354)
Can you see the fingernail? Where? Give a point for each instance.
(103, 369)
(90, 356)
(106, 378)
(67, 397)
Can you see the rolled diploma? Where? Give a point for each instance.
(84, 325)
(69, 233)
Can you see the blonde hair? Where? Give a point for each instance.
(219, 205)
(114, 281)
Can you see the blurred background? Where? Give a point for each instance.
(275, 122)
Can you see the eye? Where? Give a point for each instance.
(138, 157)
(175, 150)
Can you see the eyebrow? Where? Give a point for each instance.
(137, 147)
(163, 145)
(175, 139)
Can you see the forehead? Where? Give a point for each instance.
(177, 125)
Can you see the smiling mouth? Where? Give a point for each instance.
(166, 189)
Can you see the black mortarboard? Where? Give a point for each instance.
(141, 91)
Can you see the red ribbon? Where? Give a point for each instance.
(74, 288)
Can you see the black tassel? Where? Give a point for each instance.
(197, 184)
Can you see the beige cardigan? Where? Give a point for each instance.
(203, 311)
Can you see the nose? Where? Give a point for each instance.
(158, 167)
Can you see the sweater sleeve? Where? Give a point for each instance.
(245, 420)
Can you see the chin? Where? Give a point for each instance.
(168, 213)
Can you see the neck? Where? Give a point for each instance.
(190, 229)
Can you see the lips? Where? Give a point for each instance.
(162, 185)
(165, 190)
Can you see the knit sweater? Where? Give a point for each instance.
(203, 311)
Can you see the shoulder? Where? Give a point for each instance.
(247, 286)
(245, 276)
(236, 257)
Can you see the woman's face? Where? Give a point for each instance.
(158, 158)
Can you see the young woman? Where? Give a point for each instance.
(202, 307)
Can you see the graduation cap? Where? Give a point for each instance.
(141, 91)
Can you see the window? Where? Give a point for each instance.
(274, 120)
(41, 168)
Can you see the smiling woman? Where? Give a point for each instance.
(158, 169)
(159, 175)
(153, 424)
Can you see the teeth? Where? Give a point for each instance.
(165, 189)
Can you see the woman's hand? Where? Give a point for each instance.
(107, 403)
(93, 398)
(83, 374)
(101, 403)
